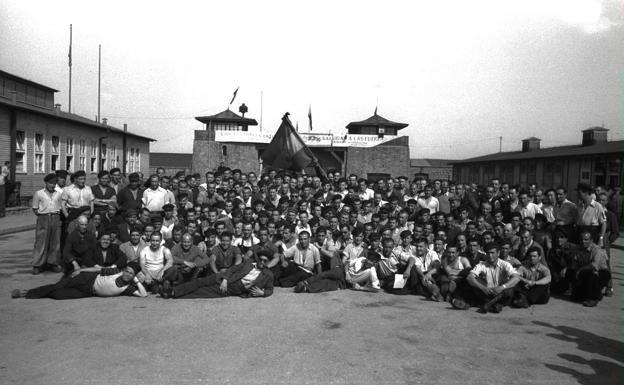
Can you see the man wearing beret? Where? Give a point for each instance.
(46, 205)
(103, 193)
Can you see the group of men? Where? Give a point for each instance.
(242, 234)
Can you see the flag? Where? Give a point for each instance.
(310, 116)
(287, 150)
(234, 96)
(69, 55)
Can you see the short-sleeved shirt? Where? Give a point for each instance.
(105, 284)
(225, 258)
(592, 214)
(46, 202)
(389, 265)
(530, 210)
(424, 263)
(75, 197)
(154, 200)
(430, 203)
(534, 273)
(494, 275)
(306, 259)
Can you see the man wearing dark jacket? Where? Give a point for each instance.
(244, 280)
(131, 196)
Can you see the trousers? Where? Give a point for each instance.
(207, 287)
(47, 249)
(80, 286)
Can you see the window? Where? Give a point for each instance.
(69, 154)
(224, 150)
(113, 156)
(55, 145)
(137, 160)
(20, 151)
(553, 174)
(131, 160)
(39, 153)
(82, 149)
(93, 166)
(104, 159)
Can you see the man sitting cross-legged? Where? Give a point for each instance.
(189, 261)
(300, 261)
(90, 282)
(535, 281)
(246, 279)
(454, 270)
(490, 283)
(155, 260)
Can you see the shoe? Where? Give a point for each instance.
(156, 288)
(483, 309)
(57, 268)
(437, 297)
(521, 302)
(590, 303)
(459, 304)
(36, 270)
(16, 293)
(497, 308)
(609, 292)
(300, 287)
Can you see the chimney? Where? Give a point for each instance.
(531, 144)
(594, 135)
(104, 121)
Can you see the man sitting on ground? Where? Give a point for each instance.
(535, 282)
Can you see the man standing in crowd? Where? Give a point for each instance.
(46, 205)
(77, 195)
(131, 196)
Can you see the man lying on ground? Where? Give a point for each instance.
(90, 282)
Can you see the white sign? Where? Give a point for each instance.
(310, 139)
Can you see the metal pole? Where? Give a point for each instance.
(500, 144)
(99, 78)
(70, 66)
(261, 106)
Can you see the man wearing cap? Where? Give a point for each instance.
(77, 194)
(591, 215)
(131, 196)
(90, 282)
(116, 180)
(46, 205)
(61, 180)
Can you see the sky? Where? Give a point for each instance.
(460, 73)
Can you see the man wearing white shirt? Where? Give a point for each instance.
(491, 283)
(527, 209)
(155, 197)
(364, 192)
(427, 264)
(429, 201)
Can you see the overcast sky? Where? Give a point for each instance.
(460, 73)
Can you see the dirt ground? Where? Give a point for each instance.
(339, 337)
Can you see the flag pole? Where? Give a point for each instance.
(261, 108)
(70, 66)
(99, 78)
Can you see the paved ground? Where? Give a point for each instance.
(339, 337)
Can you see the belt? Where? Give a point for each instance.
(47, 214)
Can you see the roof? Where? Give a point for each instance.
(596, 129)
(551, 152)
(227, 116)
(170, 159)
(26, 81)
(377, 121)
(431, 163)
(531, 138)
(52, 113)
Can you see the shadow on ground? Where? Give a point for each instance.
(604, 372)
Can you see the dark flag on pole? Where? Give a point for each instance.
(310, 116)
(234, 96)
(287, 150)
